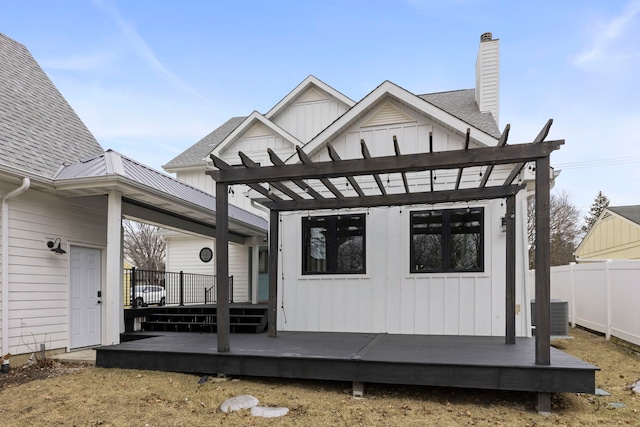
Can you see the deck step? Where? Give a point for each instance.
(204, 319)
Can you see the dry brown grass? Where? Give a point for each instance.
(114, 397)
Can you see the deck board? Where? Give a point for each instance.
(455, 361)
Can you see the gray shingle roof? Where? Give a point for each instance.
(462, 104)
(632, 213)
(39, 131)
(113, 163)
(195, 154)
(459, 103)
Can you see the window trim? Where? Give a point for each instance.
(332, 247)
(445, 245)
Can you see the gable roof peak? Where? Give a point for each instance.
(247, 123)
(310, 81)
(389, 90)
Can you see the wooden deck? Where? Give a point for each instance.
(451, 361)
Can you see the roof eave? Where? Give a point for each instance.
(253, 118)
(106, 183)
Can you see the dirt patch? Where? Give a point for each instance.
(39, 370)
(57, 394)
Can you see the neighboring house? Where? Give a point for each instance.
(63, 200)
(614, 235)
(417, 269)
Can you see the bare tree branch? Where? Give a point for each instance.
(143, 246)
(564, 231)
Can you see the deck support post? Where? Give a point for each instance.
(222, 266)
(510, 308)
(543, 403)
(358, 389)
(543, 262)
(274, 232)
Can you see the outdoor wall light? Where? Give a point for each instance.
(56, 249)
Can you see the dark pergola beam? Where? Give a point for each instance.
(277, 161)
(542, 261)
(543, 274)
(333, 154)
(307, 162)
(510, 270)
(250, 164)
(518, 167)
(274, 242)
(222, 165)
(367, 155)
(388, 164)
(396, 148)
(464, 195)
(466, 148)
(431, 151)
(501, 142)
(222, 266)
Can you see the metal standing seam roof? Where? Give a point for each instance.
(39, 131)
(632, 213)
(112, 163)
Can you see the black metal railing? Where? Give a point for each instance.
(143, 287)
(210, 294)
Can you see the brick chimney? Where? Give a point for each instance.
(488, 76)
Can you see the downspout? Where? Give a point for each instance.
(261, 208)
(5, 261)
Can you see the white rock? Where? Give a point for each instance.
(268, 412)
(245, 401)
(636, 387)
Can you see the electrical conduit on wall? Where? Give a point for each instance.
(5, 261)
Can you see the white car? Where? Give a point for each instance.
(143, 295)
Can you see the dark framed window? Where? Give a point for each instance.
(333, 244)
(447, 240)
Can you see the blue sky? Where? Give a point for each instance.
(150, 78)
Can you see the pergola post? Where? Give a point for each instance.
(543, 281)
(510, 302)
(274, 227)
(222, 266)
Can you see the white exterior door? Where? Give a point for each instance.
(86, 286)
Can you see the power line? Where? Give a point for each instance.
(598, 163)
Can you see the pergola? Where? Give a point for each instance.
(285, 188)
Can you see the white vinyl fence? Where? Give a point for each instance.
(603, 296)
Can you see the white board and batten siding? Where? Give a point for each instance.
(183, 255)
(39, 279)
(237, 197)
(312, 112)
(388, 298)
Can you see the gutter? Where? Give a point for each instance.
(261, 208)
(26, 183)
